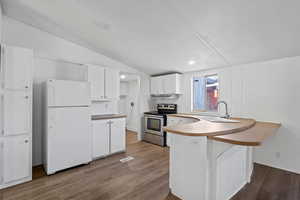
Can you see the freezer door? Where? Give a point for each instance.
(68, 93)
(69, 138)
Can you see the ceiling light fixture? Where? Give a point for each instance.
(122, 76)
(191, 62)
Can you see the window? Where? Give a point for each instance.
(205, 93)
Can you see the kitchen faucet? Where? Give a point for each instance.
(226, 108)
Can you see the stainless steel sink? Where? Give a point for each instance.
(218, 119)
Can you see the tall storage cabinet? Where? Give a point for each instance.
(16, 115)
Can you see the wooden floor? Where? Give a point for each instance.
(144, 178)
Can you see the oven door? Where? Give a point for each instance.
(153, 124)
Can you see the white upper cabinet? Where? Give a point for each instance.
(16, 115)
(112, 83)
(157, 85)
(105, 83)
(166, 84)
(16, 67)
(96, 78)
(172, 84)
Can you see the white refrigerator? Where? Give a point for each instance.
(68, 133)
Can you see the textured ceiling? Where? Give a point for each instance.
(157, 36)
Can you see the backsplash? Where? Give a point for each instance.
(102, 108)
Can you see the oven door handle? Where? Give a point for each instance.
(154, 116)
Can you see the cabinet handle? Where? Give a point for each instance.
(26, 141)
(26, 87)
(26, 97)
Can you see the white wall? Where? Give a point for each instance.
(266, 91)
(49, 52)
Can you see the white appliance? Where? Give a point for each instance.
(68, 132)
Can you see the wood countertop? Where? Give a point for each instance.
(112, 116)
(206, 128)
(247, 132)
(250, 137)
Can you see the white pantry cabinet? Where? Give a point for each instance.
(16, 67)
(101, 138)
(16, 112)
(16, 158)
(105, 83)
(109, 137)
(16, 115)
(166, 84)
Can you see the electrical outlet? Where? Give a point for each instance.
(277, 155)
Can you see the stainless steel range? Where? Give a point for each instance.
(155, 121)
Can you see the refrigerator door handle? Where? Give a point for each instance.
(2, 66)
(51, 95)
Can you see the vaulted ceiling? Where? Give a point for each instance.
(157, 36)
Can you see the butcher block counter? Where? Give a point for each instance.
(212, 158)
(245, 132)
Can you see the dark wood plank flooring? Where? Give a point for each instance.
(144, 178)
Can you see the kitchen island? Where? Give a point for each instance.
(212, 160)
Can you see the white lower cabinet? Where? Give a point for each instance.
(101, 138)
(212, 170)
(118, 135)
(16, 158)
(109, 137)
(231, 172)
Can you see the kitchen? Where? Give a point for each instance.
(183, 79)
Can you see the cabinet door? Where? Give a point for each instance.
(171, 83)
(231, 172)
(16, 115)
(112, 84)
(155, 81)
(96, 78)
(157, 85)
(69, 137)
(118, 135)
(1, 161)
(101, 136)
(16, 158)
(17, 66)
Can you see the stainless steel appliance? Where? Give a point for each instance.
(155, 121)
